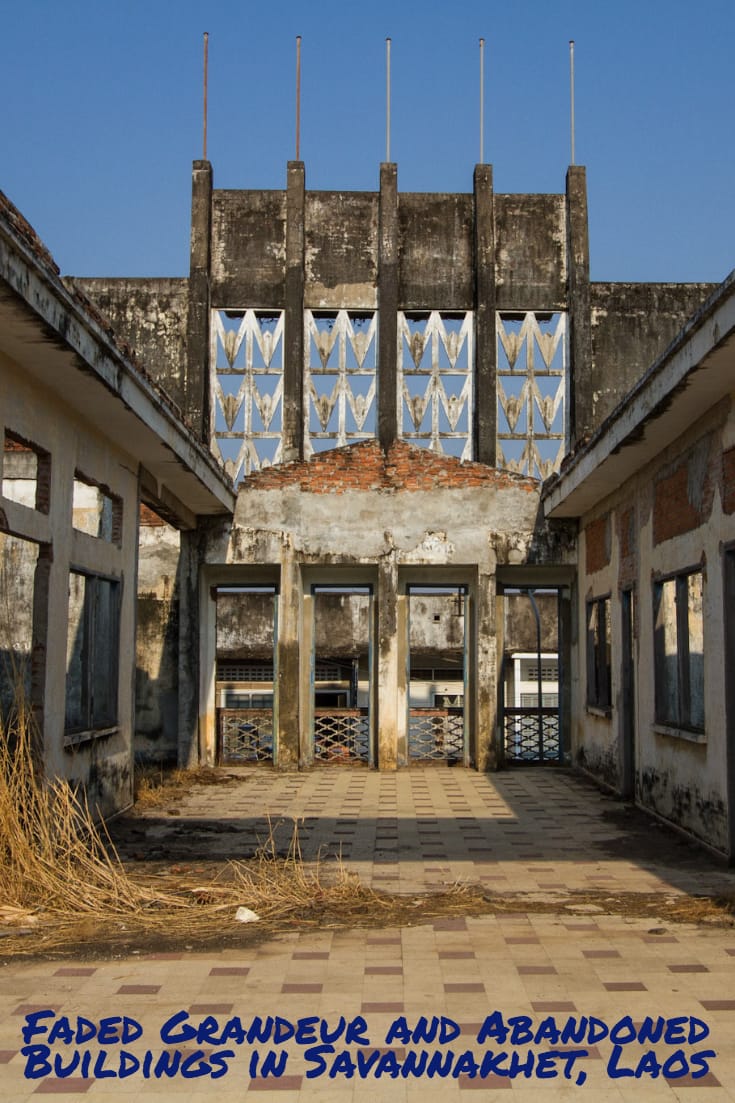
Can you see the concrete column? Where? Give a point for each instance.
(485, 401)
(189, 625)
(196, 384)
(287, 658)
(391, 675)
(578, 292)
(41, 638)
(486, 750)
(388, 398)
(293, 372)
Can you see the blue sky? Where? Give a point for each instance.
(103, 116)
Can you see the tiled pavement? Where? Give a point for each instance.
(533, 832)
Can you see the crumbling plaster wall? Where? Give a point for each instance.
(632, 325)
(103, 764)
(359, 515)
(634, 537)
(157, 640)
(149, 315)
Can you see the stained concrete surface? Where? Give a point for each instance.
(543, 833)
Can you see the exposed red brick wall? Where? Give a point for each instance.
(365, 466)
(148, 518)
(682, 495)
(597, 544)
(728, 480)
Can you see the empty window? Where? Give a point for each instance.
(95, 510)
(599, 681)
(679, 650)
(26, 473)
(92, 652)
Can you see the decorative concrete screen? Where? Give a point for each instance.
(247, 381)
(531, 386)
(340, 378)
(435, 367)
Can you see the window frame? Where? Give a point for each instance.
(599, 654)
(99, 665)
(682, 720)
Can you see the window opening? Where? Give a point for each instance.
(246, 674)
(95, 510)
(92, 655)
(599, 672)
(679, 650)
(341, 674)
(18, 565)
(437, 687)
(26, 473)
(246, 361)
(531, 689)
(340, 378)
(435, 372)
(531, 392)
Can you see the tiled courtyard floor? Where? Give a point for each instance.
(541, 833)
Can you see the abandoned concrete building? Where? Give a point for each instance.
(387, 480)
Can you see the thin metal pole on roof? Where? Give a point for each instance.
(206, 77)
(571, 88)
(482, 101)
(387, 99)
(298, 97)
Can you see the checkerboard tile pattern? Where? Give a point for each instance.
(525, 832)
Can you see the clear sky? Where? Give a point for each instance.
(103, 115)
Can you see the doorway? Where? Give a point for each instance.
(246, 649)
(438, 728)
(530, 685)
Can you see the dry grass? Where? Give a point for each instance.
(53, 856)
(59, 870)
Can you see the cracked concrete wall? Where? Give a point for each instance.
(156, 641)
(439, 522)
(680, 773)
(150, 316)
(632, 325)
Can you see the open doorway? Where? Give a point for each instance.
(438, 673)
(341, 661)
(530, 688)
(246, 639)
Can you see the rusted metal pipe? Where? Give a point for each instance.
(206, 78)
(387, 100)
(298, 97)
(482, 101)
(571, 89)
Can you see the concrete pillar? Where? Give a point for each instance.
(40, 642)
(391, 673)
(196, 383)
(292, 447)
(578, 293)
(189, 625)
(287, 659)
(486, 750)
(485, 401)
(388, 398)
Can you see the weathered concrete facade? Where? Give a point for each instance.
(387, 379)
(381, 325)
(653, 493)
(86, 437)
